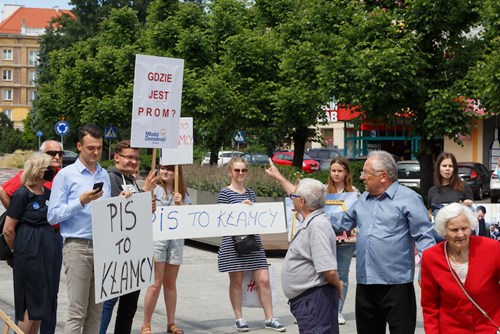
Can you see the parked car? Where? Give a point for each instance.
(256, 158)
(69, 157)
(320, 154)
(325, 164)
(286, 158)
(409, 173)
(494, 186)
(223, 157)
(477, 176)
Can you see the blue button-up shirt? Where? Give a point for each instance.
(388, 227)
(64, 204)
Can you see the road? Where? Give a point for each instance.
(203, 299)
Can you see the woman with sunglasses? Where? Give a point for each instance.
(230, 262)
(167, 253)
(34, 246)
(339, 181)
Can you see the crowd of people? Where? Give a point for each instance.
(49, 224)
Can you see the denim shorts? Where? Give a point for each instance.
(169, 251)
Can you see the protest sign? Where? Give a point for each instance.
(335, 204)
(183, 154)
(123, 245)
(213, 220)
(157, 99)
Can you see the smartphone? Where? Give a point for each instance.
(98, 186)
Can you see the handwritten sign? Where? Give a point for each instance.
(213, 220)
(335, 203)
(183, 154)
(157, 99)
(123, 245)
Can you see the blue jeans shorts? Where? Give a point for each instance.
(169, 251)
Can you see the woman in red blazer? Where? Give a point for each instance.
(476, 262)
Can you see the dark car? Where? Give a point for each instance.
(477, 176)
(320, 154)
(69, 157)
(256, 158)
(286, 158)
(409, 173)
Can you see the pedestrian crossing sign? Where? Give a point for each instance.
(110, 132)
(239, 137)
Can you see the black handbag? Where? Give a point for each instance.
(5, 253)
(245, 244)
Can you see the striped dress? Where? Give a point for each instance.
(228, 261)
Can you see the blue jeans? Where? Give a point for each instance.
(107, 313)
(345, 253)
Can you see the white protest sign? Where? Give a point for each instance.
(157, 100)
(123, 245)
(213, 220)
(183, 154)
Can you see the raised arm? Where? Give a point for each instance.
(273, 172)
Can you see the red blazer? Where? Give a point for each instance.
(445, 307)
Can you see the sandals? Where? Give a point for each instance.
(172, 328)
(146, 329)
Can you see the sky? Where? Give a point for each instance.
(62, 4)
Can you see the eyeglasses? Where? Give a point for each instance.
(131, 158)
(292, 196)
(363, 173)
(54, 153)
(237, 170)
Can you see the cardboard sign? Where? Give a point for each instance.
(123, 245)
(157, 100)
(183, 154)
(213, 220)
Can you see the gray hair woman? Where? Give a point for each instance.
(461, 260)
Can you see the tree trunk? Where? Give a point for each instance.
(299, 137)
(426, 157)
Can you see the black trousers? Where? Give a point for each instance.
(378, 305)
(127, 305)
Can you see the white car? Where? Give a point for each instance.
(494, 186)
(223, 157)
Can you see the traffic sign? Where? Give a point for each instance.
(39, 133)
(62, 128)
(110, 132)
(239, 137)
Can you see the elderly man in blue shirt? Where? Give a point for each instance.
(70, 206)
(390, 220)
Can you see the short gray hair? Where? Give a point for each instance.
(42, 147)
(451, 211)
(383, 161)
(313, 192)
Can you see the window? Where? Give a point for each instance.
(33, 58)
(7, 94)
(7, 54)
(8, 113)
(7, 75)
(32, 96)
(32, 78)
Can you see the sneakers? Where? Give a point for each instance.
(341, 319)
(274, 324)
(241, 325)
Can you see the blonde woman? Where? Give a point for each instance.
(168, 253)
(230, 262)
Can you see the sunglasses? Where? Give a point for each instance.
(54, 153)
(237, 170)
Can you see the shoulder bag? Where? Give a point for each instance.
(465, 292)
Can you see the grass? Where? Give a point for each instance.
(15, 160)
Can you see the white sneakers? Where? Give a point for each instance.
(341, 319)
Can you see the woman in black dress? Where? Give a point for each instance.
(256, 261)
(33, 242)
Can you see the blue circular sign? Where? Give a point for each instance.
(62, 128)
(39, 133)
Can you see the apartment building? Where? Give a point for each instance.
(20, 31)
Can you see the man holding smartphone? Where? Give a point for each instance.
(70, 206)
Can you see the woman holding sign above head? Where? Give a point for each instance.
(236, 264)
(168, 253)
